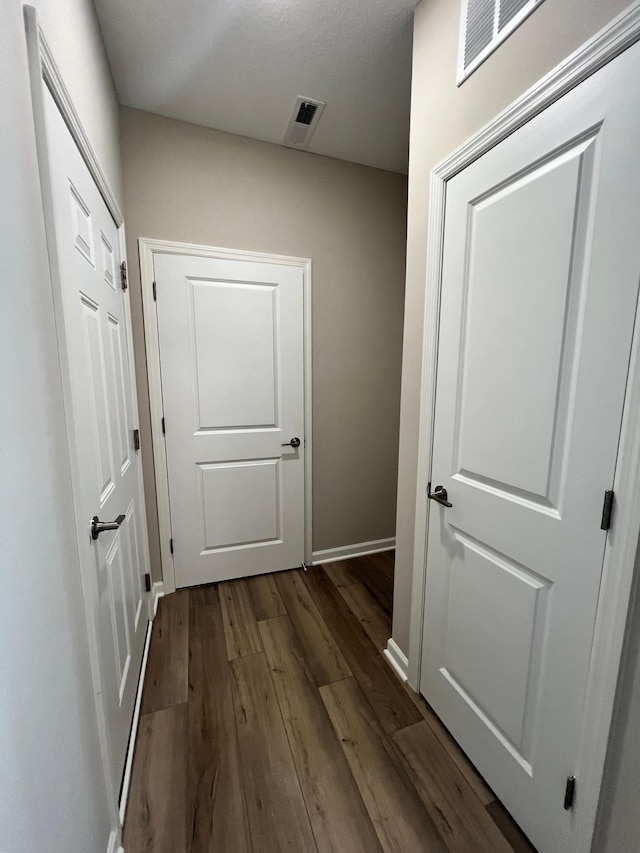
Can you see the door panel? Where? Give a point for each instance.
(135, 558)
(232, 363)
(97, 410)
(100, 399)
(241, 503)
(540, 277)
(120, 419)
(122, 647)
(236, 353)
(530, 231)
(491, 598)
(108, 262)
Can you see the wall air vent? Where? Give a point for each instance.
(304, 119)
(484, 25)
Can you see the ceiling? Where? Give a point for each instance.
(238, 66)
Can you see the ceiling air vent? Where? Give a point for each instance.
(304, 118)
(306, 112)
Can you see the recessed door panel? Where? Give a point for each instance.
(241, 503)
(97, 397)
(81, 225)
(136, 558)
(236, 354)
(120, 424)
(108, 264)
(117, 583)
(491, 599)
(524, 276)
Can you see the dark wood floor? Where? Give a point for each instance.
(271, 722)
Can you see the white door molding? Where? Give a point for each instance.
(47, 70)
(148, 248)
(618, 571)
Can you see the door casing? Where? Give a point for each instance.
(43, 71)
(621, 548)
(148, 248)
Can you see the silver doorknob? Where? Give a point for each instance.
(295, 442)
(98, 527)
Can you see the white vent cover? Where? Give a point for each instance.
(484, 25)
(304, 119)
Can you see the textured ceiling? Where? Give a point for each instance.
(238, 65)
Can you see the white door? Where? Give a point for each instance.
(96, 339)
(539, 287)
(232, 363)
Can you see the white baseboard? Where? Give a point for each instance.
(113, 841)
(361, 549)
(397, 659)
(157, 590)
(128, 765)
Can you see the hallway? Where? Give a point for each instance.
(270, 721)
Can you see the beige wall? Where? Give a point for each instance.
(444, 116)
(52, 791)
(194, 185)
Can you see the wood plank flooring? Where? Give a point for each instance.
(271, 722)
(166, 681)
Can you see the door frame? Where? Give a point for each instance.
(44, 71)
(622, 541)
(148, 248)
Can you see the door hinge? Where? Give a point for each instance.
(136, 439)
(155, 292)
(163, 427)
(123, 275)
(147, 582)
(607, 510)
(570, 792)
(171, 545)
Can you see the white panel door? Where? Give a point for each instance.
(539, 287)
(232, 363)
(96, 338)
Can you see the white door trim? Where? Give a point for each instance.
(613, 602)
(148, 248)
(48, 71)
(43, 68)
